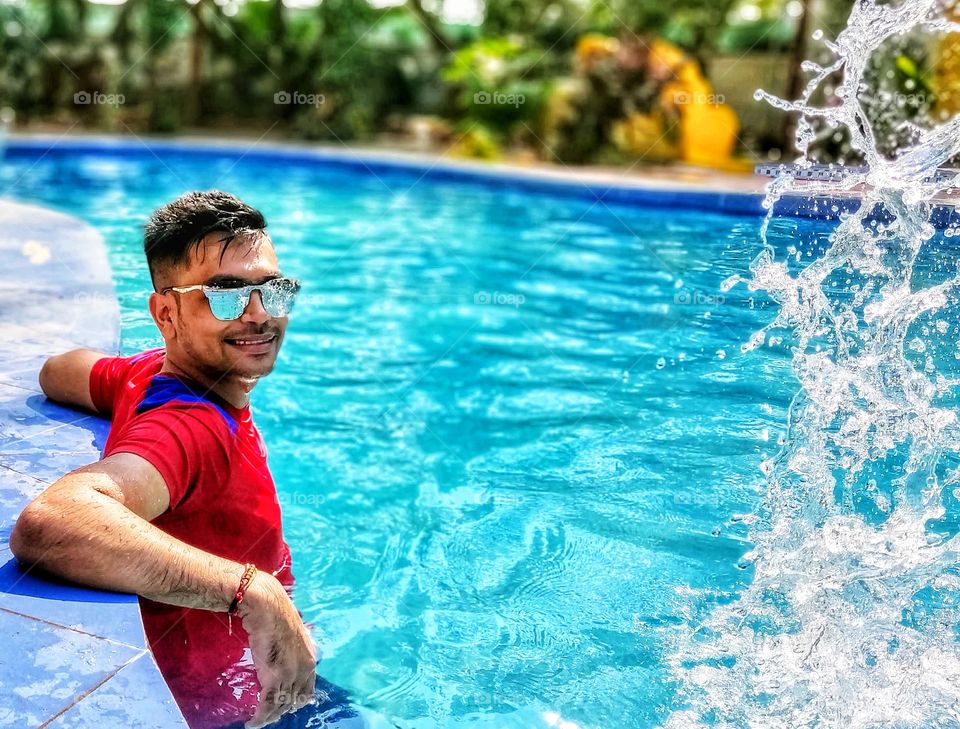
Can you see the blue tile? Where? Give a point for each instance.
(28, 418)
(64, 643)
(42, 439)
(45, 668)
(32, 346)
(112, 615)
(48, 466)
(21, 367)
(16, 491)
(135, 698)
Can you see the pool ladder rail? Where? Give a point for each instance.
(836, 173)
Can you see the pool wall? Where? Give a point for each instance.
(72, 657)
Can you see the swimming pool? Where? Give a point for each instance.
(513, 431)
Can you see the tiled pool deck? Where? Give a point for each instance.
(71, 657)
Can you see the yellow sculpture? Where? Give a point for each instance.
(946, 76)
(644, 135)
(593, 48)
(708, 127)
(688, 120)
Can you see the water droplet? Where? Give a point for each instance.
(661, 363)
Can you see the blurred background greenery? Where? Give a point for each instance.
(569, 81)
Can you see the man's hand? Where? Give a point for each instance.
(284, 654)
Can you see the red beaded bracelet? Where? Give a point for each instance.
(249, 571)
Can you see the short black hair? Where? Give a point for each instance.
(174, 229)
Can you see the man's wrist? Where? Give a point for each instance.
(256, 594)
(249, 571)
(233, 581)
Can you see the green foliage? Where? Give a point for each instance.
(762, 35)
(182, 65)
(497, 82)
(694, 24)
(477, 142)
(19, 51)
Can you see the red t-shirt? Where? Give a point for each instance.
(222, 500)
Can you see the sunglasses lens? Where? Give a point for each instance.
(279, 295)
(228, 304)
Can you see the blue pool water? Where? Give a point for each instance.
(512, 431)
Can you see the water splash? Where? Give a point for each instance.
(850, 619)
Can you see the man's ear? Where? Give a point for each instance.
(164, 312)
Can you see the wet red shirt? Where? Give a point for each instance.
(222, 500)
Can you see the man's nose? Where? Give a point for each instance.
(254, 312)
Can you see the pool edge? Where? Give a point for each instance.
(678, 187)
(717, 192)
(58, 293)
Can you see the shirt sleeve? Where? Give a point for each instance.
(109, 375)
(188, 444)
(106, 378)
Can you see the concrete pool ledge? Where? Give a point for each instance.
(72, 657)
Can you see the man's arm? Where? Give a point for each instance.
(65, 377)
(93, 527)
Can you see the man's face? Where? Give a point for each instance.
(244, 348)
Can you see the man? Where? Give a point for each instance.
(182, 501)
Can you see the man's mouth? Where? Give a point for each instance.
(253, 344)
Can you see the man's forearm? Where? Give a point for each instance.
(89, 537)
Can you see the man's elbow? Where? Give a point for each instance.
(47, 375)
(29, 534)
(64, 378)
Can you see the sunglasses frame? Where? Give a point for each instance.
(240, 290)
